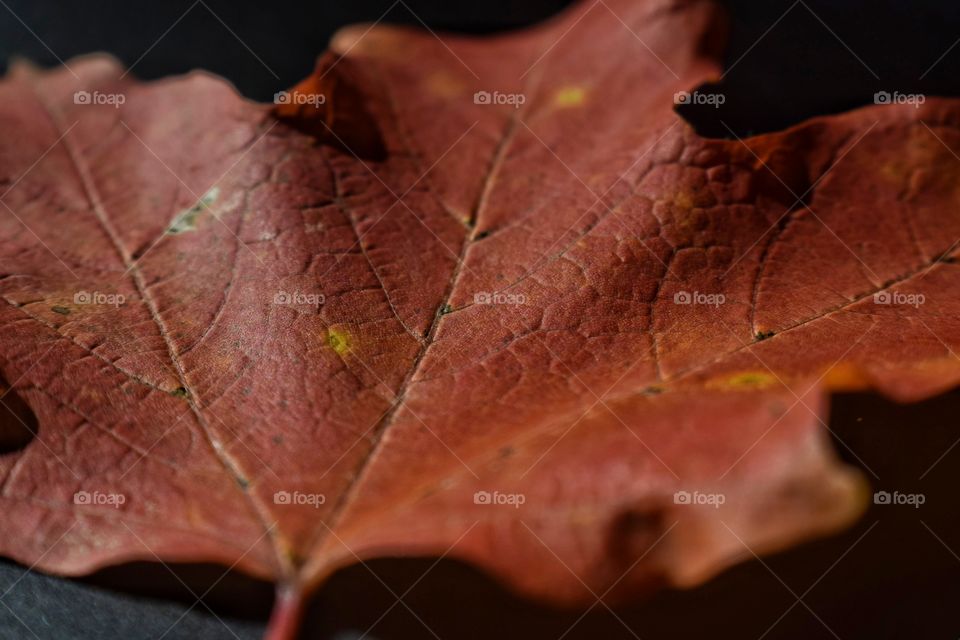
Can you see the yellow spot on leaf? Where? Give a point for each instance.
(692, 197)
(445, 85)
(683, 200)
(845, 376)
(746, 380)
(339, 340)
(569, 97)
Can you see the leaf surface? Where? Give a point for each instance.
(558, 335)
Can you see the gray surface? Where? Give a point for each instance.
(40, 606)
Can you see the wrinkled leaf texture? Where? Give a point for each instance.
(586, 387)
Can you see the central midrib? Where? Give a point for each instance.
(387, 420)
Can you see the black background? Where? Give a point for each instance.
(790, 61)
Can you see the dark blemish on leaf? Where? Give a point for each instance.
(61, 310)
(179, 392)
(634, 532)
(278, 440)
(243, 482)
(506, 452)
(246, 391)
(445, 309)
(18, 423)
(763, 335)
(652, 391)
(948, 259)
(481, 235)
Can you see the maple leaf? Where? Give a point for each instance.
(485, 298)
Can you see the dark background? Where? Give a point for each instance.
(789, 60)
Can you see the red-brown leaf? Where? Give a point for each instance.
(586, 214)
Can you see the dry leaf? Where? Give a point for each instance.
(485, 298)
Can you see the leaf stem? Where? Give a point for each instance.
(287, 613)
